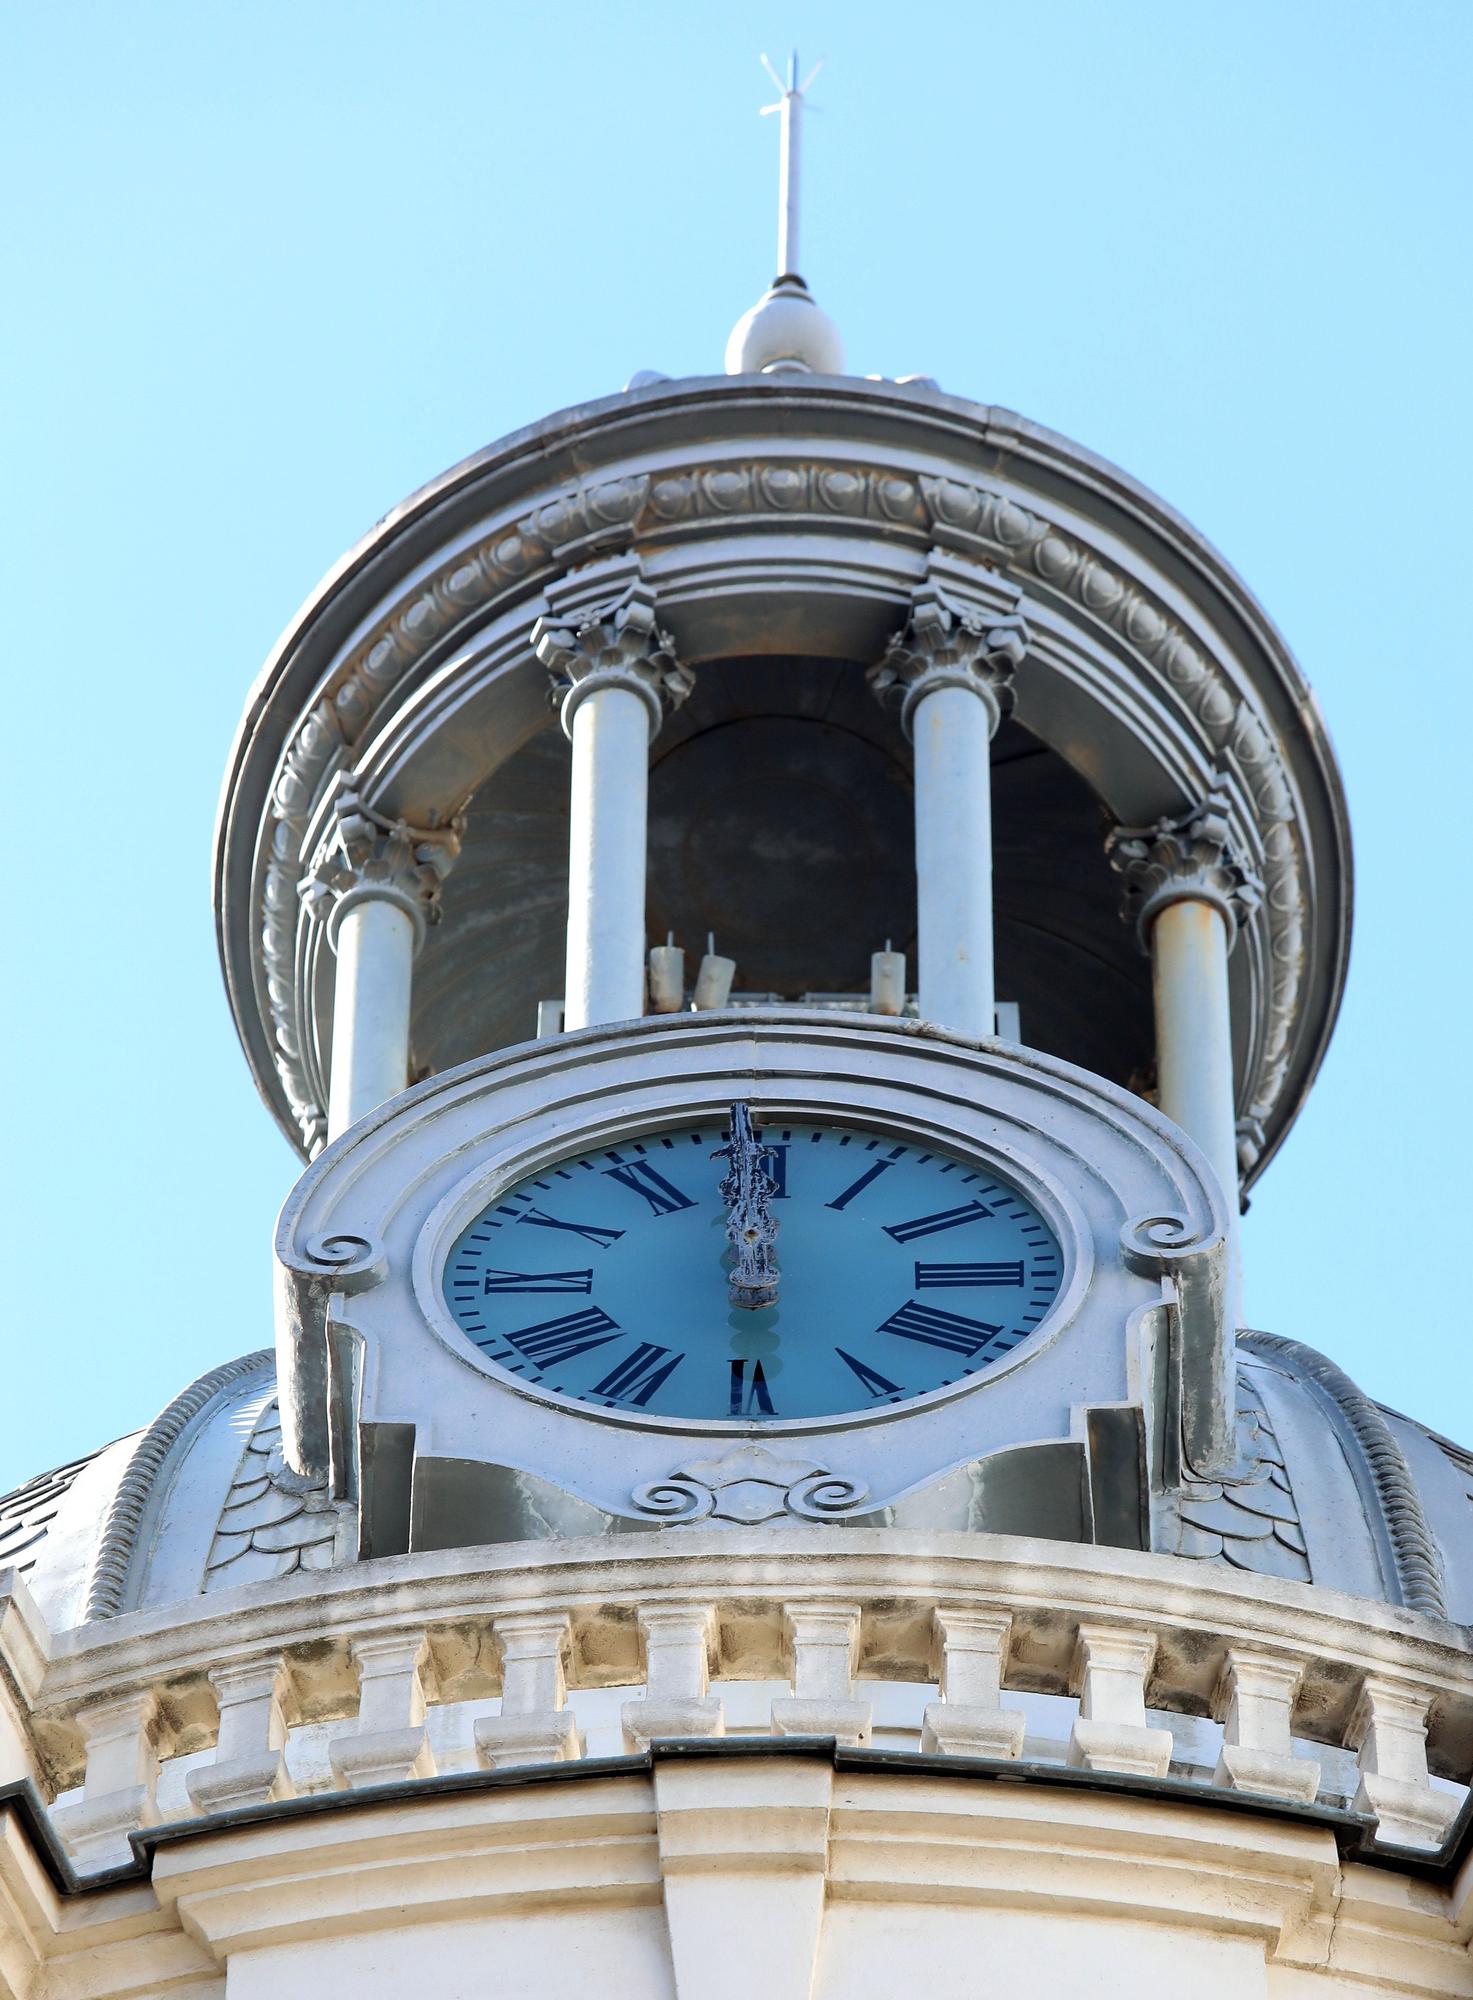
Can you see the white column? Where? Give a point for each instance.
(825, 1646)
(615, 673)
(534, 1726)
(1389, 1728)
(970, 1720)
(1255, 1703)
(121, 1737)
(1194, 1036)
(248, 1767)
(389, 1745)
(678, 1641)
(951, 728)
(1188, 891)
(376, 886)
(1112, 1731)
(953, 673)
(607, 843)
(376, 940)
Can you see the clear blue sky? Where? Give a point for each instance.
(271, 266)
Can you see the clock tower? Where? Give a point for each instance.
(783, 913)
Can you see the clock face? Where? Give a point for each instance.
(608, 1276)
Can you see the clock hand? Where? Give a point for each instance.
(747, 1189)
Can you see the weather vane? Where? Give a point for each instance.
(790, 108)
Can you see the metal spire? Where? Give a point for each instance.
(790, 107)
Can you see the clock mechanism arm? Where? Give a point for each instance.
(747, 1188)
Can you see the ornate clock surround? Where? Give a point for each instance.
(447, 1451)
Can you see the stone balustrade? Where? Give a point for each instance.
(809, 1627)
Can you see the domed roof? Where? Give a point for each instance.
(199, 1500)
(1330, 1489)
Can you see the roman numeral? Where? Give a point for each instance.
(553, 1341)
(860, 1185)
(876, 1383)
(749, 1395)
(946, 1218)
(589, 1231)
(662, 1195)
(932, 1277)
(636, 1378)
(539, 1281)
(953, 1331)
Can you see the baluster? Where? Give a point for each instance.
(1255, 1704)
(533, 1727)
(248, 1768)
(1389, 1728)
(389, 1743)
(969, 1720)
(1111, 1732)
(120, 1733)
(678, 1643)
(825, 1643)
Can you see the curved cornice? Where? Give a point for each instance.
(1156, 664)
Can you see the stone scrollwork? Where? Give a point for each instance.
(619, 645)
(368, 854)
(1193, 1262)
(1188, 859)
(747, 1486)
(354, 1262)
(944, 644)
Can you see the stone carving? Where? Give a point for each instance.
(1194, 1261)
(589, 518)
(1249, 1520)
(945, 646)
(748, 1485)
(273, 1521)
(1177, 860)
(367, 854)
(621, 645)
(747, 1189)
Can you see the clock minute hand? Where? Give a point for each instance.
(747, 1189)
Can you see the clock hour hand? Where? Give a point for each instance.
(747, 1189)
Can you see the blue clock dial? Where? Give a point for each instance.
(611, 1277)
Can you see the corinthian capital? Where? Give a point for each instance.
(1191, 859)
(619, 645)
(366, 854)
(945, 645)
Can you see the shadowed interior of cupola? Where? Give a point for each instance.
(781, 822)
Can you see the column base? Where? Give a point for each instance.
(95, 1831)
(849, 1722)
(955, 1729)
(506, 1742)
(1270, 1773)
(1407, 1813)
(386, 1757)
(241, 1781)
(645, 1720)
(1119, 1746)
